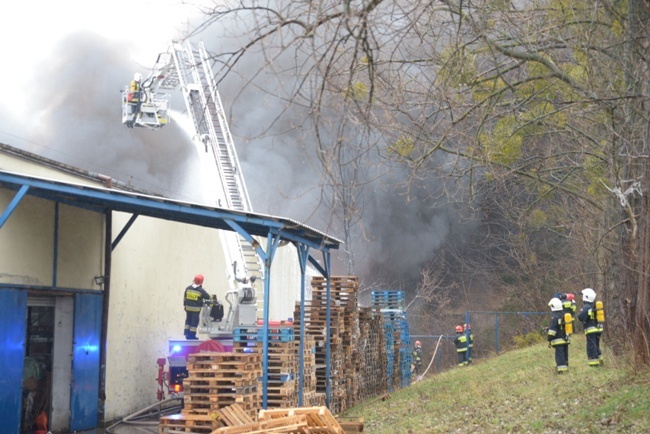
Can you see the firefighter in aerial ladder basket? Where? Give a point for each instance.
(134, 99)
(193, 301)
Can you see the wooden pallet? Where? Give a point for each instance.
(287, 424)
(191, 423)
(233, 415)
(351, 424)
(319, 419)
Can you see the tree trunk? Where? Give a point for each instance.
(642, 317)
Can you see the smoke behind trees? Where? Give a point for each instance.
(75, 107)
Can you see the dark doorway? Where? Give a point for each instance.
(37, 372)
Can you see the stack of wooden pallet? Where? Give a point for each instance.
(310, 398)
(372, 349)
(343, 294)
(217, 380)
(316, 326)
(282, 360)
(282, 365)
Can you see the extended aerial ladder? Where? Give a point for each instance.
(188, 67)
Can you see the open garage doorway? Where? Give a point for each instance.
(47, 363)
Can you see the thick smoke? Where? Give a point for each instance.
(76, 112)
(76, 117)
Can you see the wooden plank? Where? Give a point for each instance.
(351, 424)
(317, 417)
(198, 424)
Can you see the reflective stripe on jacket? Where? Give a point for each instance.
(193, 299)
(461, 343)
(587, 316)
(556, 332)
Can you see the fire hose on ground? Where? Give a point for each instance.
(146, 413)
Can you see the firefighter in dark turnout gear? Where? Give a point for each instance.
(134, 99)
(461, 346)
(467, 328)
(557, 336)
(593, 328)
(417, 357)
(569, 304)
(192, 302)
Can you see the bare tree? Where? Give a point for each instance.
(533, 111)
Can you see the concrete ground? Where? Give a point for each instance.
(126, 429)
(143, 422)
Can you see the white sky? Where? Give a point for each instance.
(30, 28)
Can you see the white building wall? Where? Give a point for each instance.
(151, 266)
(27, 238)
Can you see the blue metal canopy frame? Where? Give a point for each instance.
(247, 224)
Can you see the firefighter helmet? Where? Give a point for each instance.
(198, 279)
(459, 329)
(137, 77)
(555, 304)
(588, 295)
(570, 296)
(418, 343)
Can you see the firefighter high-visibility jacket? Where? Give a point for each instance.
(569, 306)
(587, 317)
(193, 299)
(135, 91)
(417, 356)
(556, 332)
(461, 342)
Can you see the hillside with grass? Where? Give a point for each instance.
(519, 391)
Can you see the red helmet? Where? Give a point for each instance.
(570, 296)
(198, 279)
(418, 343)
(459, 329)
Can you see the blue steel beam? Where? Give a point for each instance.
(126, 227)
(303, 254)
(318, 266)
(271, 246)
(157, 207)
(328, 321)
(55, 253)
(13, 204)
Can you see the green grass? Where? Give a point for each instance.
(519, 392)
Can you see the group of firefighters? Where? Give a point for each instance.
(464, 342)
(561, 327)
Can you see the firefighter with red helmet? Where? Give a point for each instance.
(569, 304)
(417, 357)
(461, 346)
(557, 335)
(192, 302)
